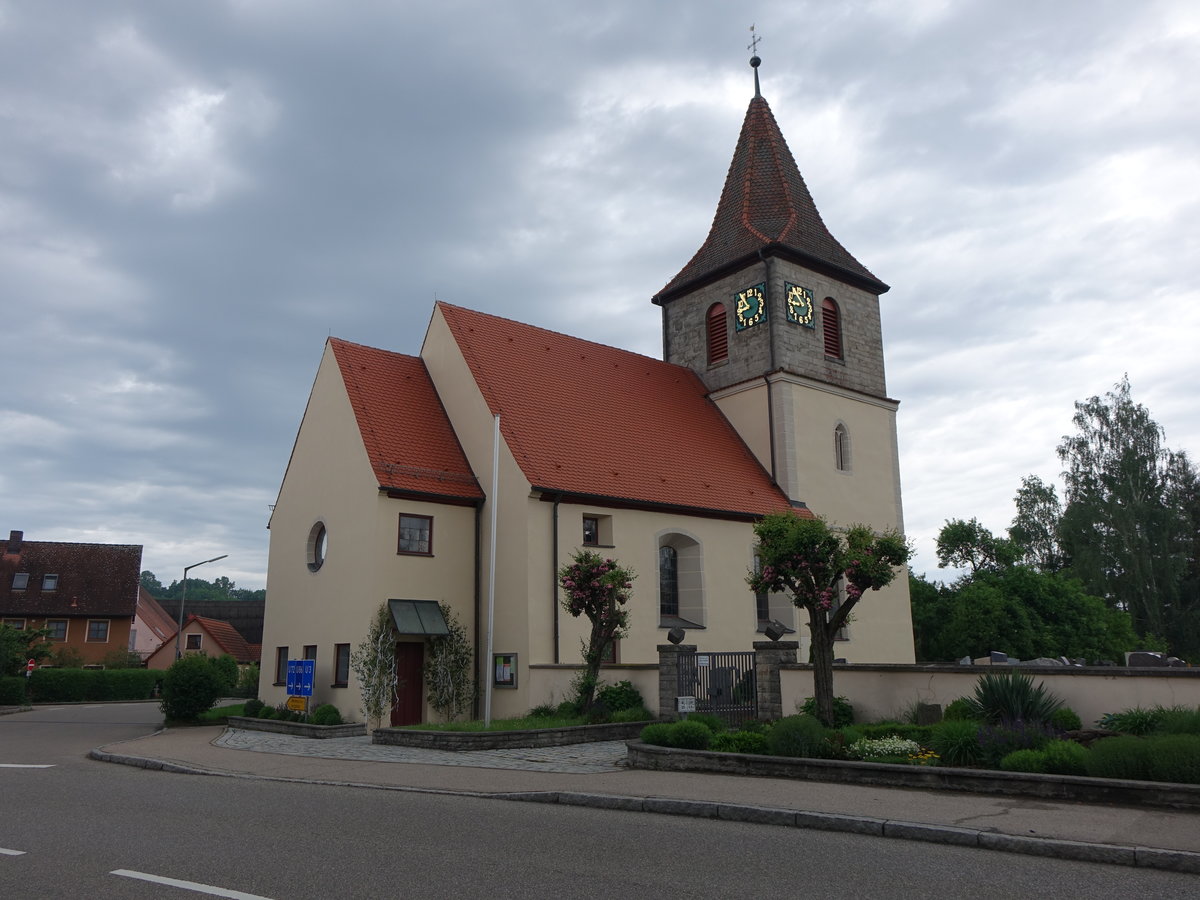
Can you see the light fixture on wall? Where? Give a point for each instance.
(775, 631)
(676, 635)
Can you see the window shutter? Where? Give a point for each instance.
(832, 324)
(718, 334)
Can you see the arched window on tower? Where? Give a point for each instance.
(831, 322)
(718, 334)
(841, 448)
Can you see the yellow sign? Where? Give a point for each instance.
(296, 704)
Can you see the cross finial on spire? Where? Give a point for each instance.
(754, 60)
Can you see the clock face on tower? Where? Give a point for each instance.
(750, 306)
(799, 303)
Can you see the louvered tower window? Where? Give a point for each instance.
(718, 334)
(831, 322)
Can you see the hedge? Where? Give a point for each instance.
(77, 685)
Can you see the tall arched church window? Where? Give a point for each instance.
(831, 322)
(668, 581)
(841, 448)
(718, 334)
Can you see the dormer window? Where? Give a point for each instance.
(49, 582)
(20, 581)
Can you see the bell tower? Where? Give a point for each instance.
(782, 324)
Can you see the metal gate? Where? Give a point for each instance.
(722, 683)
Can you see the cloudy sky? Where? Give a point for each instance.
(194, 195)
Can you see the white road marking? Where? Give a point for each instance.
(5, 851)
(26, 766)
(188, 885)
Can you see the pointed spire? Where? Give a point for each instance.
(766, 209)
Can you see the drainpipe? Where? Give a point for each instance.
(478, 600)
(770, 272)
(554, 572)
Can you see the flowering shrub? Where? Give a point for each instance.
(597, 588)
(868, 749)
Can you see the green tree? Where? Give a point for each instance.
(374, 664)
(1124, 532)
(967, 543)
(449, 669)
(826, 571)
(152, 585)
(931, 603)
(17, 647)
(1035, 527)
(598, 589)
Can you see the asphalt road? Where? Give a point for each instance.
(92, 830)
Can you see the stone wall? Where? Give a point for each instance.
(503, 740)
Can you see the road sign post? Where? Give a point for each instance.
(300, 676)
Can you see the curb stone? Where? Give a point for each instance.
(1113, 854)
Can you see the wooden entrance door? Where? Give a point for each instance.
(410, 657)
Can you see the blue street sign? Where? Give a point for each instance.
(300, 674)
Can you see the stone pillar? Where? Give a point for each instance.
(768, 657)
(668, 677)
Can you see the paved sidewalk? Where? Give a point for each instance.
(592, 775)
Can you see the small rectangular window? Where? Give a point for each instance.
(50, 583)
(20, 581)
(310, 651)
(281, 661)
(97, 632)
(194, 641)
(15, 624)
(416, 535)
(341, 665)
(57, 629)
(591, 531)
(610, 655)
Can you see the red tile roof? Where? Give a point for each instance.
(404, 427)
(151, 612)
(225, 636)
(93, 579)
(591, 420)
(765, 206)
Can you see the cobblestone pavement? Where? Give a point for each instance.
(576, 759)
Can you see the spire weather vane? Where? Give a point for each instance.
(754, 39)
(754, 60)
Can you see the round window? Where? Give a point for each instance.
(318, 546)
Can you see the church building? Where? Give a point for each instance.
(770, 396)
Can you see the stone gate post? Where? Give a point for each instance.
(768, 657)
(668, 668)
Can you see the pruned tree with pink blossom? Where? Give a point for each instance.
(826, 571)
(597, 588)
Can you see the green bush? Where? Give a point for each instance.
(1125, 756)
(622, 695)
(1065, 758)
(1024, 761)
(1012, 696)
(690, 735)
(1136, 721)
(251, 707)
(227, 668)
(998, 739)
(843, 712)
(247, 682)
(326, 714)
(959, 709)
(658, 734)
(798, 736)
(715, 724)
(1179, 720)
(191, 685)
(544, 711)
(12, 691)
(1066, 719)
(739, 742)
(267, 712)
(1175, 758)
(956, 742)
(632, 714)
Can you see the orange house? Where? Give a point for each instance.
(85, 594)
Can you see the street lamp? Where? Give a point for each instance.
(183, 598)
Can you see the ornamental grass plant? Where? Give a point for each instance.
(1012, 696)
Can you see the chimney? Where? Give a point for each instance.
(14, 542)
